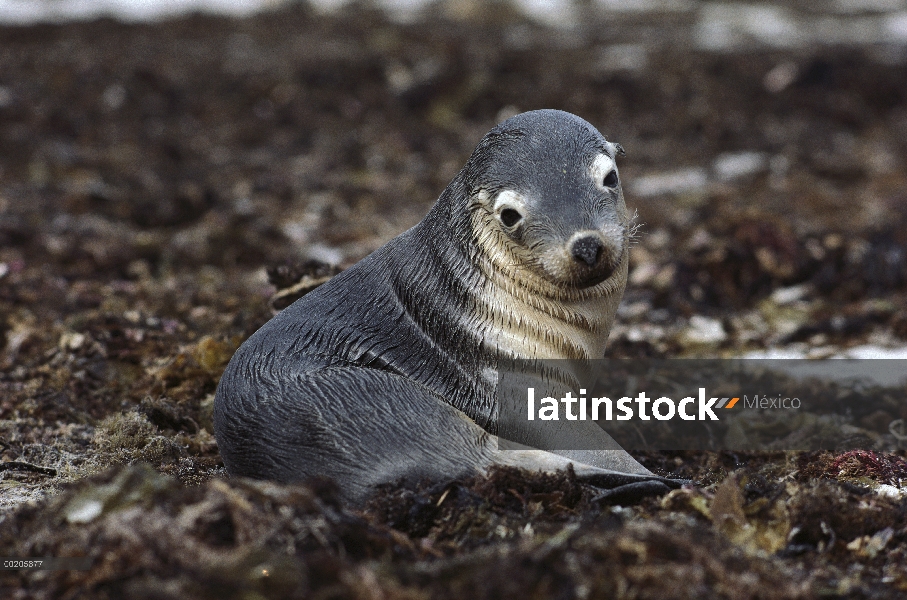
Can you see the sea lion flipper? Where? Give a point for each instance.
(631, 493)
(613, 460)
(607, 479)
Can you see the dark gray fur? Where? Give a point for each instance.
(377, 375)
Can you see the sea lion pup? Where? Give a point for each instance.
(388, 370)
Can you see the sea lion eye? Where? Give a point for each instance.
(510, 217)
(610, 179)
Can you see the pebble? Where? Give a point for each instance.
(671, 182)
(703, 330)
(789, 295)
(732, 166)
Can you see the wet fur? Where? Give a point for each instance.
(387, 371)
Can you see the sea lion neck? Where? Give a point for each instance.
(532, 325)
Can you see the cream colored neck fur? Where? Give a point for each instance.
(522, 315)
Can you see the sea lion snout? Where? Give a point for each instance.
(587, 249)
(595, 254)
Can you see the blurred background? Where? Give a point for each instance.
(156, 157)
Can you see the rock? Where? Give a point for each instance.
(703, 330)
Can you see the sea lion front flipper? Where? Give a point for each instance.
(631, 493)
(619, 486)
(612, 460)
(616, 487)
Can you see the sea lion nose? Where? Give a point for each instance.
(587, 249)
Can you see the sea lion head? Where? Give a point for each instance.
(546, 206)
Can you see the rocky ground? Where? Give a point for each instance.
(151, 175)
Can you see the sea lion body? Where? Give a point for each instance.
(388, 370)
